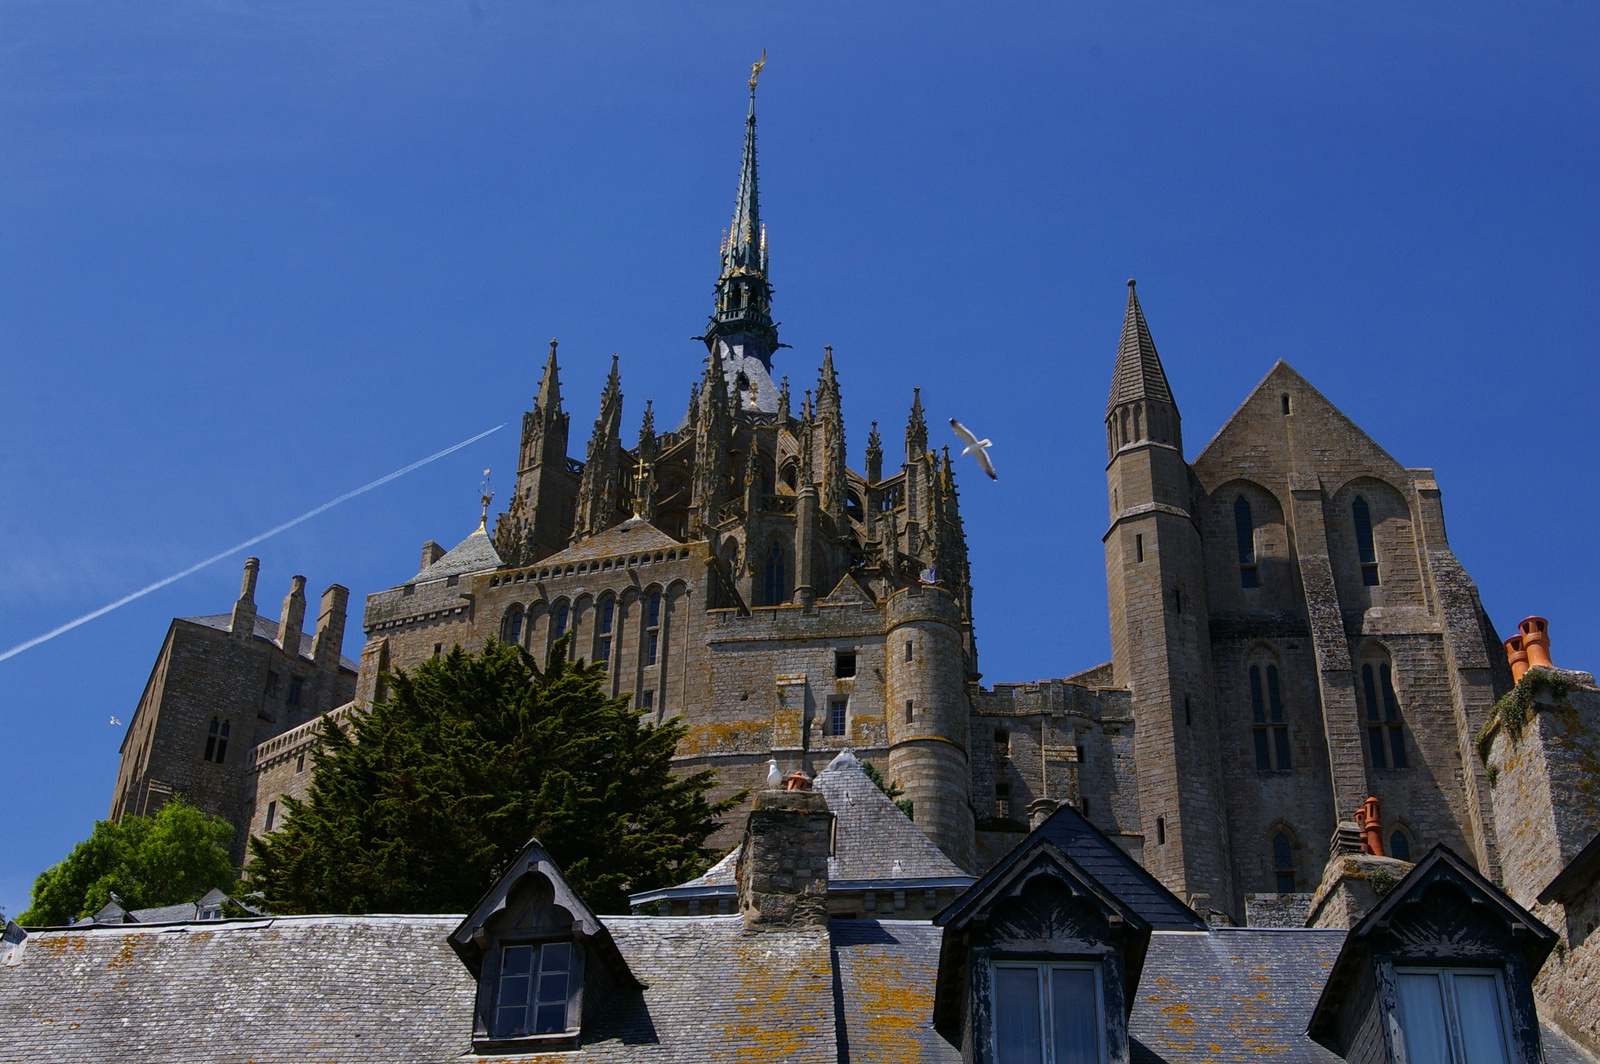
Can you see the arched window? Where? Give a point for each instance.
(790, 475)
(777, 587)
(1364, 544)
(1244, 531)
(217, 740)
(1386, 737)
(1399, 846)
(1283, 862)
(513, 627)
(1268, 720)
(652, 635)
(608, 617)
(558, 627)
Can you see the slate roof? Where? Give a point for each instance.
(267, 628)
(472, 555)
(1138, 374)
(634, 534)
(1109, 864)
(874, 842)
(388, 988)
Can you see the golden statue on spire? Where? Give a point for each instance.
(755, 69)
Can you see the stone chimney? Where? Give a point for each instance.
(330, 627)
(431, 552)
(783, 863)
(292, 620)
(243, 625)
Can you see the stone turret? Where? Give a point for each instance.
(1160, 634)
(644, 479)
(831, 417)
(874, 455)
(927, 715)
(534, 525)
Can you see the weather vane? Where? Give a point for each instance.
(486, 496)
(755, 68)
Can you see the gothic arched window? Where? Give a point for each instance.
(1364, 544)
(558, 626)
(1385, 731)
(1268, 720)
(777, 588)
(1399, 846)
(513, 626)
(1244, 531)
(1283, 862)
(607, 620)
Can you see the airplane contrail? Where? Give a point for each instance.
(236, 548)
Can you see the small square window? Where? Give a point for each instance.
(295, 686)
(531, 995)
(844, 664)
(648, 700)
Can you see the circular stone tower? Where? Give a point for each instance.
(925, 709)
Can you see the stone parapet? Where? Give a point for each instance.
(1352, 885)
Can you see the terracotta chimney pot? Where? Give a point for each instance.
(1517, 656)
(1536, 641)
(1369, 818)
(797, 781)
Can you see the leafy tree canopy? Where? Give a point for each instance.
(172, 857)
(441, 785)
(892, 790)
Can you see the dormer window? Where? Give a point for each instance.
(542, 958)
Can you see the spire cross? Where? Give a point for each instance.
(486, 496)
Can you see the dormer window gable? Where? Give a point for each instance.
(1440, 972)
(546, 965)
(1039, 964)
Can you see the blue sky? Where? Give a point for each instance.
(253, 255)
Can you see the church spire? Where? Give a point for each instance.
(1138, 374)
(1141, 406)
(743, 314)
(600, 490)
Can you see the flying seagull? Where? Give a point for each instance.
(975, 447)
(114, 720)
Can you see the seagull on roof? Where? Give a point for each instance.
(774, 777)
(975, 447)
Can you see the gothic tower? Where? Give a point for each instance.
(539, 519)
(1160, 636)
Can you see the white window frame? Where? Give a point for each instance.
(1452, 1021)
(1046, 1039)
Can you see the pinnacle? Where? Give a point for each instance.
(1138, 373)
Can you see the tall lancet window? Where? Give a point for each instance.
(1364, 543)
(1244, 530)
(777, 586)
(1270, 726)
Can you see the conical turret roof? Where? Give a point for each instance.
(1138, 374)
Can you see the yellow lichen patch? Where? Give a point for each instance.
(124, 956)
(898, 1001)
(1176, 1009)
(785, 994)
(722, 737)
(56, 945)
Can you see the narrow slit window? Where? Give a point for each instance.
(837, 710)
(777, 589)
(1161, 830)
(651, 646)
(1188, 710)
(1002, 799)
(272, 815)
(1244, 531)
(559, 628)
(911, 710)
(1138, 547)
(1364, 542)
(296, 685)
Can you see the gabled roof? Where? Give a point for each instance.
(634, 534)
(1100, 858)
(1138, 374)
(1441, 865)
(475, 554)
(1574, 879)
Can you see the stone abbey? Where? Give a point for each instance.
(1291, 633)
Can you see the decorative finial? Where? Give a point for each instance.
(486, 495)
(755, 69)
(1131, 282)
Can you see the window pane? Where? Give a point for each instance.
(1422, 1018)
(1282, 736)
(1075, 1016)
(1375, 737)
(1016, 1016)
(514, 990)
(1369, 689)
(1391, 705)
(556, 957)
(553, 988)
(1263, 759)
(1244, 531)
(1274, 695)
(510, 1022)
(516, 960)
(1258, 704)
(551, 1019)
(1478, 1011)
(1399, 847)
(1397, 747)
(1363, 519)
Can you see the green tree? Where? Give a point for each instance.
(892, 790)
(472, 755)
(172, 857)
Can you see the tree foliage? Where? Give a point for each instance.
(892, 791)
(172, 857)
(440, 786)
